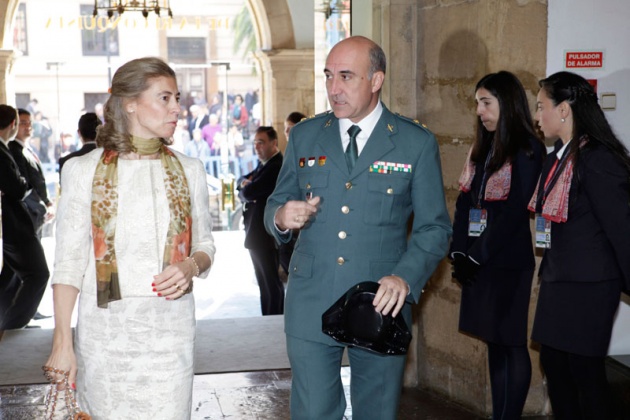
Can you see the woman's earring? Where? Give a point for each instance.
(562, 119)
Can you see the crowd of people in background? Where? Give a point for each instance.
(224, 141)
(220, 136)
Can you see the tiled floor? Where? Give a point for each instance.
(239, 396)
(235, 396)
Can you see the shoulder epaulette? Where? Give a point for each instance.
(412, 120)
(321, 114)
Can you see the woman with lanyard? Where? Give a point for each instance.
(492, 251)
(583, 222)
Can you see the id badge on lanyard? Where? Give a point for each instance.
(477, 221)
(543, 232)
(478, 217)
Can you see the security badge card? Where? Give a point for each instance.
(477, 221)
(543, 232)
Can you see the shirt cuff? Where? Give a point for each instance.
(282, 232)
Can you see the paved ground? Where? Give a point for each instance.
(230, 291)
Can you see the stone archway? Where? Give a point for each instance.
(8, 9)
(287, 73)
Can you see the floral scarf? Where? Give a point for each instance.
(497, 186)
(105, 205)
(555, 206)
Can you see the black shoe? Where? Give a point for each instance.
(39, 316)
(31, 327)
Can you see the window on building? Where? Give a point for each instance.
(186, 50)
(97, 42)
(20, 41)
(22, 100)
(93, 102)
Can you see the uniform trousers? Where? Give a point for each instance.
(317, 391)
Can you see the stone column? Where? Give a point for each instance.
(287, 85)
(7, 92)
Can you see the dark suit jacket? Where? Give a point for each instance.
(205, 119)
(16, 221)
(507, 240)
(594, 243)
(86, 148)
(32, 170)
(254, 198)
(361, 230)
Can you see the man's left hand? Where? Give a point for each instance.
(50, 214)
(391, 295)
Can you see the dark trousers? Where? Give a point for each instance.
(510, 376)
(23, 281)
(577, 385)
(265, 262)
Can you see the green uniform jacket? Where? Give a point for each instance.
(360, 231)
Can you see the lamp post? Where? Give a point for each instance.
(225, 91)
(56, 65)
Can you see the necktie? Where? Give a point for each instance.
(352, 151)
(32, 152)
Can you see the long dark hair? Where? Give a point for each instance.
(589, 120)
(515, 127)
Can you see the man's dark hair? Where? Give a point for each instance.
(87, 125)
(22, 111)
(270, 131)
(295, 117)
(8, 114)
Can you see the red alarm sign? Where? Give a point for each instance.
(584, 59)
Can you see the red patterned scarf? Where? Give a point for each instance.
(556, 204)
(497, 186)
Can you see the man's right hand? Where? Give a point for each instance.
(295, 214)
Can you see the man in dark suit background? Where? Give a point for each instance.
(39, 206)
(353, 209)
(88, 123)
(25, 273)
(198, 118)
(254, 189)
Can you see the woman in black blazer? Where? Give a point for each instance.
(492, 252)
(583, 198)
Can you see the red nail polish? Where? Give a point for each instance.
(74, 386)
(154, 289)
(152, 284)
(160, 294)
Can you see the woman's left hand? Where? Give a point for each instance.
(175, 281)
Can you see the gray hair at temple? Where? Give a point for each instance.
(378, 61)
